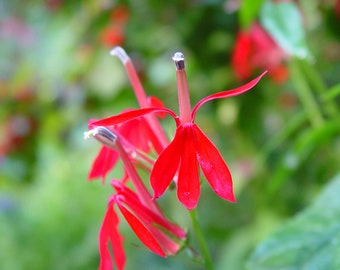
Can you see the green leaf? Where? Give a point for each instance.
(309, 142)
(249, 9)
(310, 241)
(283, 22)
(332, 93)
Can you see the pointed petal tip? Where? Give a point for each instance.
(232, 200)
(227, 195)
(189, 203)
(155, 197)
(190, 207)
(263, 73)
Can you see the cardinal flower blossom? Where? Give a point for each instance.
(141, 212)
(190, 147)
(141, 133)
(157, 233)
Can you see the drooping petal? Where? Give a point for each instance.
(109, 234)
(166, 165)
(103, 163)
(129, 115)
(145, 212)
(170, 246)
(188, 186)
(228, 93)
(213, 166)
(142, 232)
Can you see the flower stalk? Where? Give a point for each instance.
(318, 85)
(208, 263)
(305, 94)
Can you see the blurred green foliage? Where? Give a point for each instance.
(56, 73)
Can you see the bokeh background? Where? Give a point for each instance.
(56, 73)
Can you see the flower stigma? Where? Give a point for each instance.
(178, 58)
(103, 135)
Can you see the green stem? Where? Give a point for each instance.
(318, 85)
(201, 240)
(273, 143)
(305, 95)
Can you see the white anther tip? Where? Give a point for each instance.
(120, 53)
(178, 56)
(179, 60)
(89, 134)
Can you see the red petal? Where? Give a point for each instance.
(103, 163)
(142, 232)
(213, 166)
(169, 245)
(155, 102)
(188, 189)
(144, 212)
(241, 56)
(109, 233)
(136, 132)
(166, 165)
(228, 93)
(126, 116)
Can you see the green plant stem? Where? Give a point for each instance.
(201, 240)
(319, 86)
(305, 95)
(273, 143)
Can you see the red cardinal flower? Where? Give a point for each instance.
(141, 212)
(113, 34)
(254, 49)
(189, 148)
(337, 8)
(156, 232)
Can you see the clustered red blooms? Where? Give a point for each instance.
(136, 136)
(113, 33)
(255, 49)
(337, 8)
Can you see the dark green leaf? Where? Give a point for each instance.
(310, 241)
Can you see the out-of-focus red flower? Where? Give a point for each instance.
(120, 14)
(15, 133)
(113, 34)
(53, 5)
(337, 8)
(255, 49)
